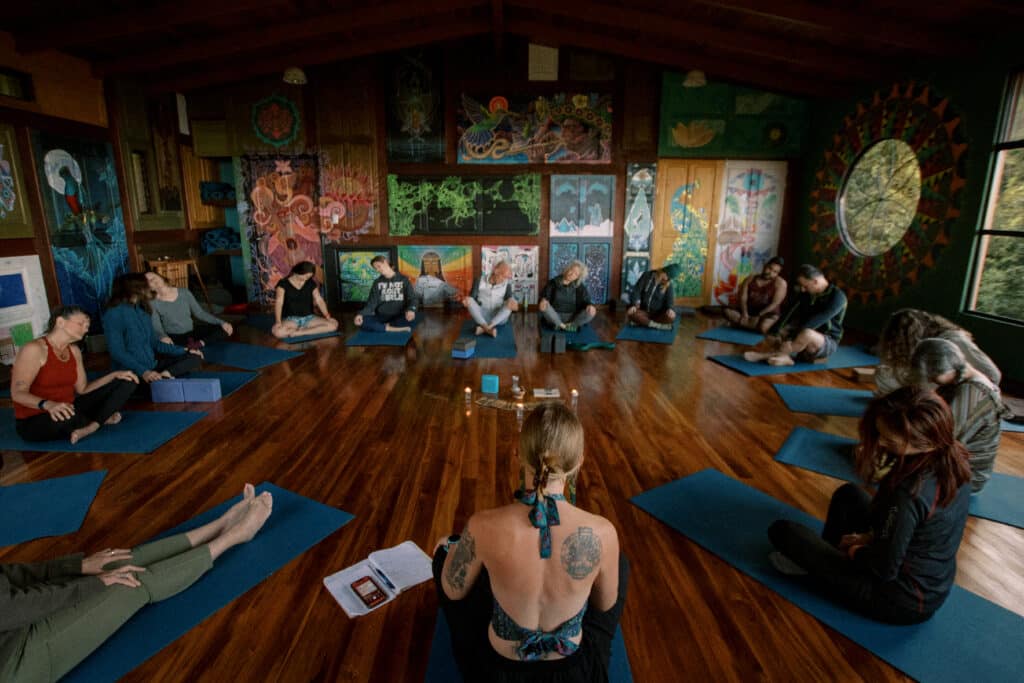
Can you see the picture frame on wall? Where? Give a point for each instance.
(15, 216)
(349, 273)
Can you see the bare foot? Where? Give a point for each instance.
(781, 360)
(83, 432)
(231, 517)
(479, 330)
(391, 328)
(755, 356)
(493, 331)
(113, 419)
(256, 514)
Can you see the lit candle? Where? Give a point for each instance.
(469, 394)
(574, 393)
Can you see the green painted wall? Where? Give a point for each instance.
(976, 90)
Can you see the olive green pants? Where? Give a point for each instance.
(50, 648)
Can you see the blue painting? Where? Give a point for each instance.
(12, 290)
(581, 205)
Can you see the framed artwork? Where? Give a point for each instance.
(457, 205)
(636, 237)
(438, 273)
(525, 264)
(15, 218)
(595, 254)
(415, 115)
(355, 275)
(581, 205)
(23, 299)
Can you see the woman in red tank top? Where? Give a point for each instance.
(53, 400)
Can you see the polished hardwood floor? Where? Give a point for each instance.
(384, 434)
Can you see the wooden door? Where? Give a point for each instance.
(687, 200)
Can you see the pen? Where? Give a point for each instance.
(380, 575)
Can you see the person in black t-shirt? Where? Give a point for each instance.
(295, 298)
(391, 306)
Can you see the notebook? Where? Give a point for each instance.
(380, 578)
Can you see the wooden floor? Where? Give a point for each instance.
(383, 433)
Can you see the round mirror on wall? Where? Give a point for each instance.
(878, 198)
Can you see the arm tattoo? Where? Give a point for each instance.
(465, 552)
(581, 552)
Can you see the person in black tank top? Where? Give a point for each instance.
(296, 298)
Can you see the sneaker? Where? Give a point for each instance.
(784, 565)
(659, 326)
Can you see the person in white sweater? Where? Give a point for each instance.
(490, 303)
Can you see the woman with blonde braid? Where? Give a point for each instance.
(534, 590)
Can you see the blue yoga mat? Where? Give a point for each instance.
(296, 525)
(732, 335)
(647, 334)
(51, 507)
(1002, 499)
(731, 519)
(230, 382)
(138, 432)
(844, 357)
(265, 323)
(442, 667)
(245, 356)
(1012, 427)
(584, 335)
(502, 346)
(824, 400)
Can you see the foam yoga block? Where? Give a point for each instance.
(186, 390)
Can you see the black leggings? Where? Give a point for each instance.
(96, 406)
(468, 620)
(201, 332)
(832, 571)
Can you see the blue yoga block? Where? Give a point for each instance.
(201, 390)
(468, 353)
(167, 391)
(489, 384)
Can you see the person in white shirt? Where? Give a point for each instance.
(491, 302)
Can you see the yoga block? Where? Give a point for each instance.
(547, 340)
(186, 390)
(465, 344)
(168, 391)
(558, 343)
(489, 384)
(468, 353)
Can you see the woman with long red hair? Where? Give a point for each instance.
(891, 557)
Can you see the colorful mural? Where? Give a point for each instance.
(749, 220)
(926, 121)
(82, 204)
(355, 274)
(281, 217)
(581, 205)
(415, 123)
(276, 120)
(525, 264)
(15, 220)
(636, 237)
(456, 205)
(690, 248)
(438, 273)
(563, 128)
(347, 202)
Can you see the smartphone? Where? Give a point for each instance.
(367, 590)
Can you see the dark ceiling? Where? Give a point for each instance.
(799, 46)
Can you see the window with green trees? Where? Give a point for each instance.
(998, 277)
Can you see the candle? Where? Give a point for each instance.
(469, 394)
(574, 393)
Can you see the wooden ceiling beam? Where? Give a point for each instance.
(284, 34)
(423, 34)
(689, 30)
(748, 73)
(98, 29)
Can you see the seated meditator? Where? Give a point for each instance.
(651, 298)
(891, 557)
(54, 614)
(977, 406)
(534, 590)
(131, 339)
(174, 309)
(565, 302)
(391, 305)
(490, 303)
(760, 298)
(812, 327)
(295, 297)
(904, 330)
(53, 398)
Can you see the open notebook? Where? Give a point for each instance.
(379, 578)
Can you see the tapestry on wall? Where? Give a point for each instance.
(562, 128)
(525, 264)
(438, 273)
(415, 117)
(594, 254)
(720, 119)
(281, 218)
(748, 227)
(636, 237)
(82, 204)
(276, 120)
(690, 247)
(457, 205)
(347, 202)
(926, 121)
(581, 205)
(15, 219)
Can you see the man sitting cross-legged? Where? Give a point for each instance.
(391, 306)
(491, 302)
(652, 297)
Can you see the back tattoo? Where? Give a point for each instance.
(581, 552)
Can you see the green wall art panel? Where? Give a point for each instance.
(457, 205)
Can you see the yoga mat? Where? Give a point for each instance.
(1002, 499)
(1012, 427)
(647, 334)
(245, 356)
(502, 346)
(441, 668)
(584, 335)
(844, 357)
(138, 432)
(731, 519)
(824, 400)
(265, 323)
(51, 507)
(296, 525)
(361, 338)
(230, 382)
(732, 335)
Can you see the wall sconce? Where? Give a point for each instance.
(695, 78)
(293, 75)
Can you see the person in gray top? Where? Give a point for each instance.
(173, 312)
(652, 297)
(565, 302)
(490, 303)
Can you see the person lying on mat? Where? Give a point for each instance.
(54, 614)
(652, 297)
(537, 586)
(901, 335)
(295, 297)
(391, 306)
(490, 303)
(174, 309)
(53, 398)
(131, 339)
(811, 328)
(976, 403)
(760, 297)
(891, 557)
(565, 302)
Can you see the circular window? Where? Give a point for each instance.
(878, 198)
